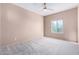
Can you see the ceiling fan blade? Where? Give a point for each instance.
(50, 9)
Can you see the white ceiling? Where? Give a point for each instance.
(37, 7)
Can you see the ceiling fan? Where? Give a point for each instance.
(45, 8)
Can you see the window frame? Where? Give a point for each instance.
(62, 28)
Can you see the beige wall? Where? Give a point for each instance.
(0, 24)
(78, 24)
(70, 25)
(19, 25)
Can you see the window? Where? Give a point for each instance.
(57, 26)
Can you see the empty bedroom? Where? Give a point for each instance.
(39, 29)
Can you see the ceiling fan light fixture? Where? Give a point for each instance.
(44, 9)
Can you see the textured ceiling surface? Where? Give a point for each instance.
(52, 7)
